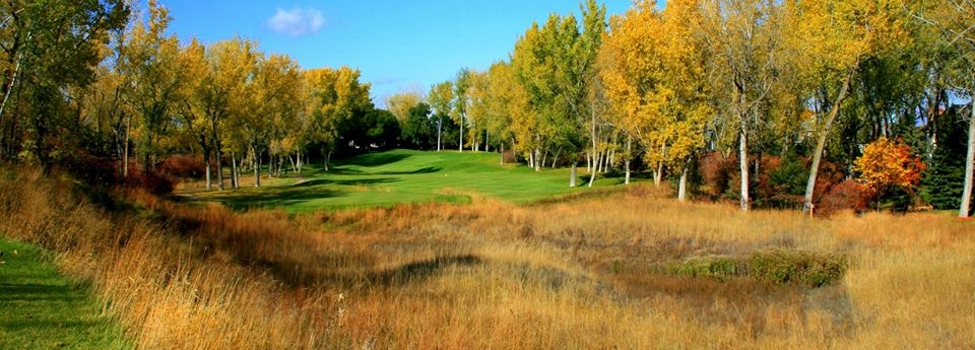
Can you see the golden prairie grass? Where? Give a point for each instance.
(577, 274)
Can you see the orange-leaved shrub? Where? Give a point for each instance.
(890, 172)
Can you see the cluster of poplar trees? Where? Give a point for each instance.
(655, 87)
(814, 78)
(91, 80)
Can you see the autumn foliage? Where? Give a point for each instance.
(889, 167)
(888, 163)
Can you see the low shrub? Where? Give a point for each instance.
(847, 195)
(182, 166)
(797, 268)
(152, 181)
(716, 172)
(777, 267)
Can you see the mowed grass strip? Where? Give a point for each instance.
(404, 176)
(41, 309)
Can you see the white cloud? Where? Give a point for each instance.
(297, 22)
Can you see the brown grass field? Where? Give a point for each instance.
(624, 269)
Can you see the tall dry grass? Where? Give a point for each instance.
(587, 273)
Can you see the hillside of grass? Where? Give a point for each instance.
(42, 309)
(402, 176)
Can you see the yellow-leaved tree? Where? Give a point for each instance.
(656, 78)
(829, 40)
(440, 98)
(741, 38)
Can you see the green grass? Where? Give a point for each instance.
(402, 176)
(41, 309)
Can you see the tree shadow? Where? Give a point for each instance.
(278, 197)
(345, 182)
(420, 270)
(325, 274)
(427, 170)
(377, 159)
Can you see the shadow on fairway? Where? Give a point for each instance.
(279, 197)
(427, 170)
(377, 159)
(346, 182)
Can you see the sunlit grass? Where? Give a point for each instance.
(397, 177)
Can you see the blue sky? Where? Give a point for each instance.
(398, 45)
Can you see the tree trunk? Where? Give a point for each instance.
(821, 144)
(682, 189)
(933, 111)
(538, 161)
(461, 134)
(544, 159)
(9, 88)
(743, 162)
(626, 163)
(573, 175)
(125, 157)
(257, 168)
(218, 160)
(208, 165)
(298, 159)
(234, 171)
(658, 174)
(966, 194)
(439, 133)
(595, 170)
(502, 153)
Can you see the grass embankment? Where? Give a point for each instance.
(632, 269)
(399, 176)
(44, 310)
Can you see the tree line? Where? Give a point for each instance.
(748, 99)
(761, 82)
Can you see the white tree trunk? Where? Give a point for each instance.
(572, 175)
(208, 165)
(807, 206)
(538, 160)
(743, 162)
(629, 149)
(298, 156)
(682, 189)
(966, 195)
(595, 170)
(658, 175)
